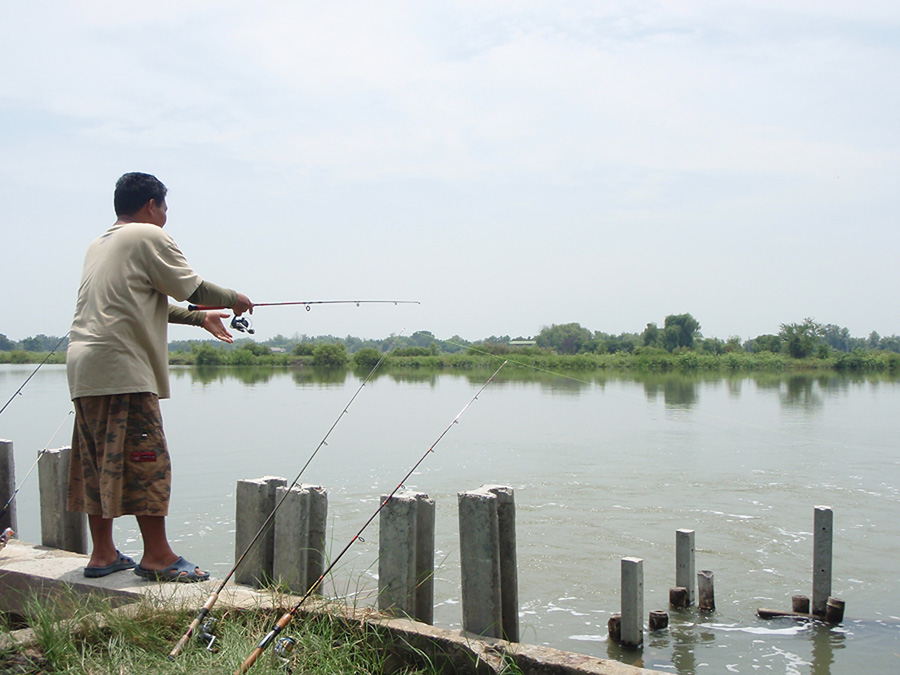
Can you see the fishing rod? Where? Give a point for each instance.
(205, 634)
(242, 324)
(46, 358)
(282, 623)
(40, 454)
(308, 304)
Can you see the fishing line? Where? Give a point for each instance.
(211, 601)
(46, 358)
(40, 454)
(286, 618)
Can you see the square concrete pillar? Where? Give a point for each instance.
(684, 562)
(60, 529)
(7, 486)
(632, 602)
(406, 556)
(488, 562)
(255, 500)
(823, 537)
(297, 540)
(318, 520)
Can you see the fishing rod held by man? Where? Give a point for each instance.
(308, 304)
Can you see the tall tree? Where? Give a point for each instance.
(680, 330)
(800, 339)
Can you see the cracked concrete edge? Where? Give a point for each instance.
(25, 567)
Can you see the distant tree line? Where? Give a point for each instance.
(679, 334)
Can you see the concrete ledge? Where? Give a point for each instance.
(26, 569)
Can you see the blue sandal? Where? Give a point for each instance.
(123, 562)
(180, 570)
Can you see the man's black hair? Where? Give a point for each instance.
(133, 190)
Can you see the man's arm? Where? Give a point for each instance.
(210, 294)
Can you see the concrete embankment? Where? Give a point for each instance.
(27, 570)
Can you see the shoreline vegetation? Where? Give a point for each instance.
(85, 635)
(678, 346)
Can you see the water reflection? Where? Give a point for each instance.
(678, 391)
(803, 391)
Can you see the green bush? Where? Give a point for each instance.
(304, 349)
(366, 358)
(331, 355)
(241, 357)
(207, 355)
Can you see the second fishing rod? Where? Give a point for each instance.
(205, 634)
(283, 622)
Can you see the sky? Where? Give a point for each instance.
(509, 165)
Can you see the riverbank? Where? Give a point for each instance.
(642, 360)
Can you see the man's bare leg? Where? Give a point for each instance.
(104, 551)
(158, 554)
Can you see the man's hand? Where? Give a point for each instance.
(213, 324)
(242, 305)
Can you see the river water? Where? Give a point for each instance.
(603, 467)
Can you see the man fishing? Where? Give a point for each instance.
(117, 367)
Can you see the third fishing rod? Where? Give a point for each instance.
(282, 623)
(205, 633)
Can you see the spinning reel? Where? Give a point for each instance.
(205, 635)
(242, 324)
(284, 649)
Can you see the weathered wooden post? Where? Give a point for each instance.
(684, 562)
(255, 501)
(60, 529)
(7, 486)
(406, 556)
(632, 602)
(297, 548)
(614, 628)
(834, 610)
(822, 547)
(658, 620)
(678, 597)
(706, 596)
(488, 562)
(800, 604)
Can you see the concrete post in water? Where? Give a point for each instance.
(425, 517)
(706, 596)
(255, 501)
(684, 562)
(822, 544)
(406, 556)
(296, 540)
(632, 602)
(488, 562)
(60, 529)
(509, 573)
(7, 486)
(318, 519)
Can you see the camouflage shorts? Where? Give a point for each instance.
(120, 464)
